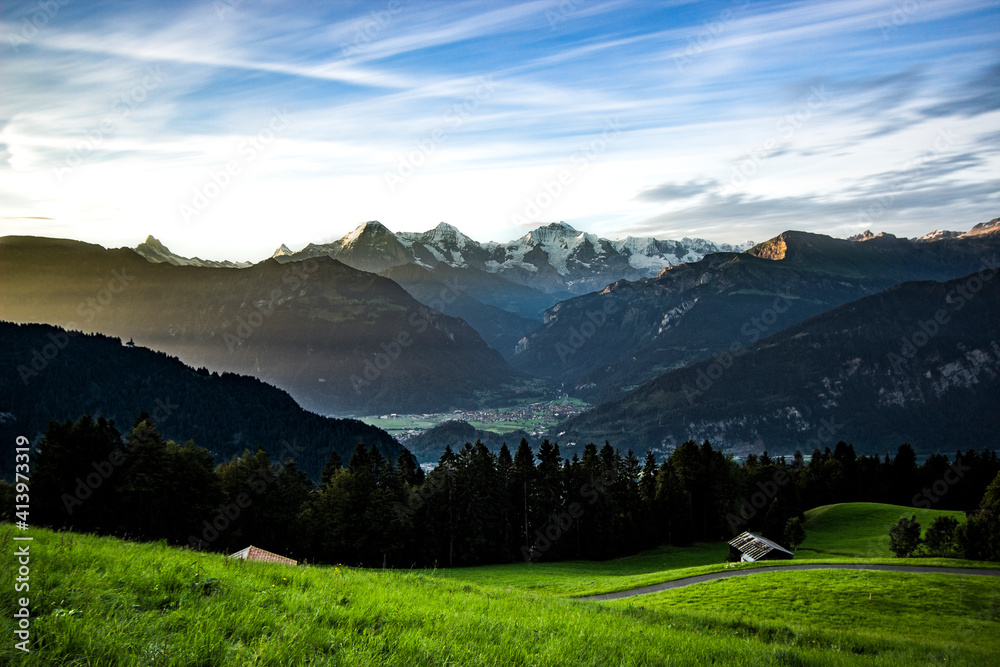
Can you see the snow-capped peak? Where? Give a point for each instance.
(370, 228)
(939, 234)
(282, 251)
(446, 232)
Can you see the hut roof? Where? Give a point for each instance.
(256, 553)
(754, 547)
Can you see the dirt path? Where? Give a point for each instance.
(687, 581)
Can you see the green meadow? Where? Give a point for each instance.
(858, 530)
(101, 601)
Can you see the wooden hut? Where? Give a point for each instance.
(256, 553)
(751, 548)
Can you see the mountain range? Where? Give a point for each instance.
(917, 363)
(501, 290)
(381, 322)
(339, 340)
(603, 344)
(554, 258)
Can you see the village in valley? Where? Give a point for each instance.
(535, 418)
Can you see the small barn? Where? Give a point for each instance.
(256, 553)
(751, 548)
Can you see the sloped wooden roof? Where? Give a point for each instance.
(256, 553)
(754, 547)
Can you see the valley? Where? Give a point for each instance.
(450, 329)
(537, 418)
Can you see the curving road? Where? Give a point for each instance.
(687, 581)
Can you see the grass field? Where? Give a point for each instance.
(844, 533)
(578, 578)
(99, 601)
(858, 530)
(915, 618)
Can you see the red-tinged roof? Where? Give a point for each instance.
(256, 553)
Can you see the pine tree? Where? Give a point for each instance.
(77, 470)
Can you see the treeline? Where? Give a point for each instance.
(978, 538)
(473, 507)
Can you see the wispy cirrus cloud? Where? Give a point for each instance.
(702, 91)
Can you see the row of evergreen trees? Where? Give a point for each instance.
(475, 506)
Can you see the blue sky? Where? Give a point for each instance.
(227, 127)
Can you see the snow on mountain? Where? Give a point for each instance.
(991, 227)
(939, 234)
(554, 258)
(650, 255)
(560, 242)
(445, 243)
(443, 234)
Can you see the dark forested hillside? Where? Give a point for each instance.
(603, 344)
(48, 374)
(454, 433)
(919, 363)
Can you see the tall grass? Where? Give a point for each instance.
(100, 601)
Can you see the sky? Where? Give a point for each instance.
(228, 127)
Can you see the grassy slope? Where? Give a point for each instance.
(578, 578)
(844, 533)
(859, 530)
(903, 618)
(100, 601)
